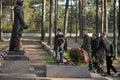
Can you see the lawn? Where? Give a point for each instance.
(49, 59)
(118, 58)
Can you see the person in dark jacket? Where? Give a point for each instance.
(94, 47)
(60, 46)
(86, 45)
(18, 27)
(100, 54)
(110, 57)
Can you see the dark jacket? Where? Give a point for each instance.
(86, 43)
(58, 40)
(101, 44)
(110, 50)
(94, 45)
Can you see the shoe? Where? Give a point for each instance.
(116, 74)
(65, 62)
(61, 63)
(98, 71)
(103, 74)
(90, 69)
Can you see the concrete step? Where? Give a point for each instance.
(28, 76)
(17, 76)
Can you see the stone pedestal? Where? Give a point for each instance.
(67, 71)
(15, 64)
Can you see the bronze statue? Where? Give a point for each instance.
(18, 27)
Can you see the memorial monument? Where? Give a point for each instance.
(15, 57)
(18, 26)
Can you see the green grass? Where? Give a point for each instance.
(118, 58)
(80, 40)
(49, 59)
(66, 55)
(3, 48)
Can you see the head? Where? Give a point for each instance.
(59, 31)
(104, 35)
(20, 2)
(94, 36)
(85, 32)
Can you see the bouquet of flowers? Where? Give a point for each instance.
(78, 55)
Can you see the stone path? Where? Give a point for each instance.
(36, 56)
(37, 62)
(72, 43)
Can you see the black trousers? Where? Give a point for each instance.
(109, 65)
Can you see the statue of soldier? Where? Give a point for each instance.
(18, 27)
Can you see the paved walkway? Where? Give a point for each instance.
(37, 60)
(36, 55)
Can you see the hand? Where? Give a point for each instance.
(109, 54)
(25, 26)
(112, 58)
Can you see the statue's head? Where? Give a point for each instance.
(20, 2)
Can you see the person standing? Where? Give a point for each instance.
(18, 27)
(60, 46)
(86, 45)
(94, 46)
(110, 57)
(100, 54)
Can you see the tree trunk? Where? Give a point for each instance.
(83, 14)
(115, 28)
(102, 13)
(71, 20)
(56, 16)
(76, 21)
(119, 21)
(14, 3)
(1, 32)
(12, 14)
(66, 17)
(43, 21)
(51, 23)
(97, 16)
(12, 11)
(105, 16)
(97, 9)
(80, 18)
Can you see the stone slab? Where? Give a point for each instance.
(15, 64)
(67, 71)
(17, 76)
(7, 52)
(15, 57)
